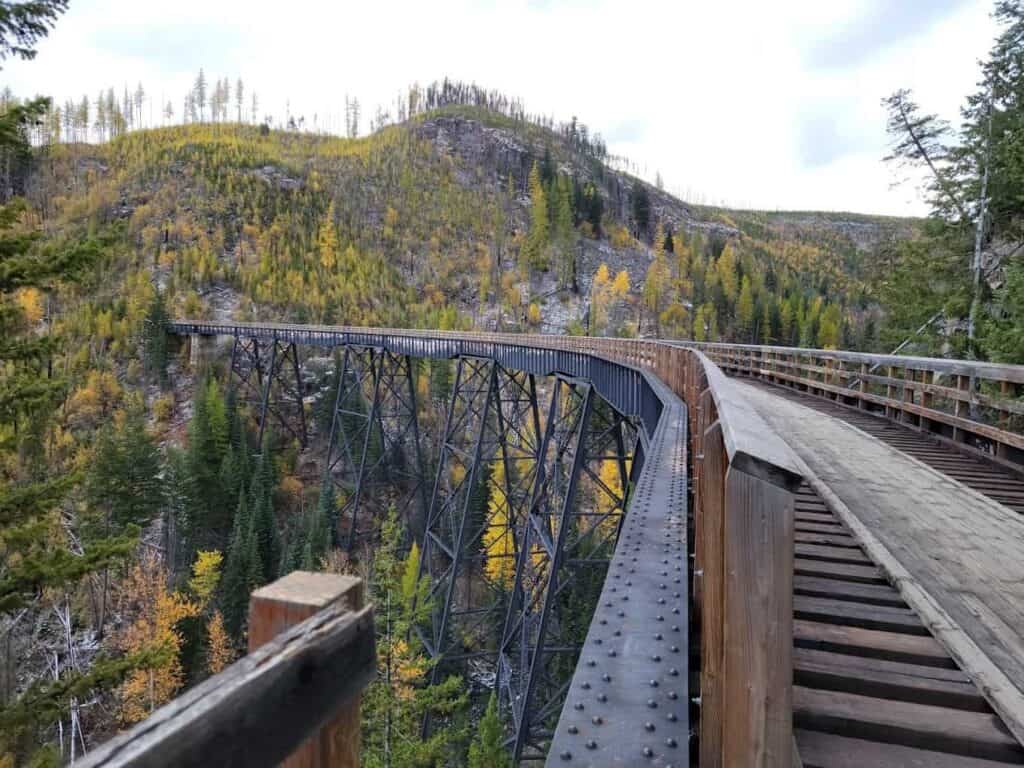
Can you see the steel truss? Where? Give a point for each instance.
(374, 455)
(522, 525)
(489, 448)
(268, 376)
(567, 541)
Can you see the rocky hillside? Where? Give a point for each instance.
(427, 223)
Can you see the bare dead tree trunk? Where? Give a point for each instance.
(979, 230)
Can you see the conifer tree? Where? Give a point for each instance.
(236, 583)
(745, 310)
(564, 234)
(486, 751)
(535, 248)
(155, 339)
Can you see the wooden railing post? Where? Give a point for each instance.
(757, 597)
(285, 603)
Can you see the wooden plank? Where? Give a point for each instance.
(886, 680)
(850, 555)
(758, 664)
(870, 594)
(870, 643)
(972, 734)
(827, 750)
(850, 614)
(829, 540)
(860, 573)
(258, 710)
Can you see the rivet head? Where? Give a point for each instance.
(566, 754)
(573, 730)
(671, 717)
(649, 726)
(612, 653)
(673, 695)
(585, 686)
(652, 704)
(648, 752)
(602, 698)
(578, 705)
(653, 683)
(606, 677)
(591, 744)
(670, 742)
(597, 720)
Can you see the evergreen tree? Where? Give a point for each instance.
(564, 234)
(486, 751)
(264, 522)
(155, 339)
(235, 586)
(535, 249)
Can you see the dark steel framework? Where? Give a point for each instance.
(564, 459)
(374, 454)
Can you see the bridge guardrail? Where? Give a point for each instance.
(974, 406)
(744, 480)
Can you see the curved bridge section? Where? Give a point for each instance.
(683, 449)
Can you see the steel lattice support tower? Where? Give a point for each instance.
(269, 376)
(374, 454)
(566, 543)
(489, 451)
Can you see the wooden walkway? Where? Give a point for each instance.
(879, 534)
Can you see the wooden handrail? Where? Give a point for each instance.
(973, 406)
(263, 707)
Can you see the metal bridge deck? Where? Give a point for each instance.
(874, 686)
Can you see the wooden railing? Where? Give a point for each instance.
(293, 701)
(972, 405)
(744, 480)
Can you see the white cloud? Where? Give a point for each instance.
(731, 101)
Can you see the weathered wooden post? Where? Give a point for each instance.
(285, 603)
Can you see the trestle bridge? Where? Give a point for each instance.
(697, 554)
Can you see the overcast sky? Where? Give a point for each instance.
(742, 102)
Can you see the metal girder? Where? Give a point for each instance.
(374, 455)
(487, 460)
(269, 375)
(566, 543)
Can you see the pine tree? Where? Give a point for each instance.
(745, 311)
(155, 339)
(235, 584)
(535, 249)
(564, 233)
(264, 523)
(486, 751)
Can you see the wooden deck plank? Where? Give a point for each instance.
(971, 734)
(886, 680)
(850, 614)
(954, 552)
(866, 574)
(826, 750)
(871, 643)
(870, 594)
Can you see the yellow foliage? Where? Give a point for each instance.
(219, 651)
(30, 300)
(533, 314)
(96, 400)
(620, 237)
(151, 614)
(620, 288)
(205, 575)
(498, 536)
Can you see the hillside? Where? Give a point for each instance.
(426, 224)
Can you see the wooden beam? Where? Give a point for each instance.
(285, 603)
(261, 708)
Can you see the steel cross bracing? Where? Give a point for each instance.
(374, 454)
(268, 377)
(489, 448)
(567, 539)
(626, 699)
